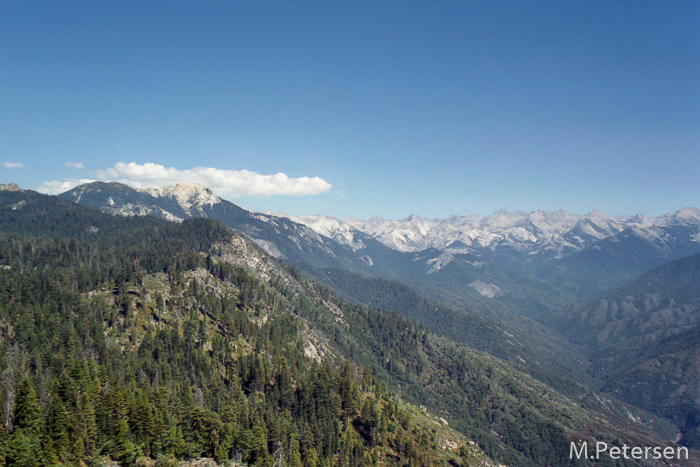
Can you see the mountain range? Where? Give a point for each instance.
(548, 234)
(619, 248)
(549, 292)
(506, 264)
(552, 234)
(137, 338)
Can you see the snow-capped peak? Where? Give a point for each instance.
(683, 216)
(330, 227)
(186, 194)
(596, 215)
(556, 232)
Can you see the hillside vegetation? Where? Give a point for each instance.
(135, 338)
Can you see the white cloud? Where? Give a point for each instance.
(13, 165)
(233, 183)
(75, 165)
(57, 186)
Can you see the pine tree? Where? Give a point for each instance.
(258, 442)
(79, 449)
(58, 427)
(27, 410)
(22, 450)
(294, 454)
(142, 422)
(311, 458)
(124, 447)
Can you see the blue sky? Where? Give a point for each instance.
(360, 108)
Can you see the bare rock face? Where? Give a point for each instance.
(487, 290)
(10, 187)
(187, 195)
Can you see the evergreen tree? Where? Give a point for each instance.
(58, 427)
(27, 410)
(125, 450)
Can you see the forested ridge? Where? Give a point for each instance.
(96, 363)
(135, 338)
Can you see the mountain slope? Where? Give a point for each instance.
(368, 258)
(279, 236)
(644, 340)
(161, 348)
(509, 269)
(658, 305)
(193, 321)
